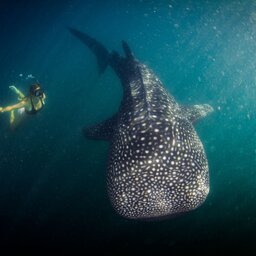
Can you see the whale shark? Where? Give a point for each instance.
(157, 166)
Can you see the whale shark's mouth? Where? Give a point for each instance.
(158, 203)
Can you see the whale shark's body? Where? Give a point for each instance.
(157, 166)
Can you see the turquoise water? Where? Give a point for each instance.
(52, 180)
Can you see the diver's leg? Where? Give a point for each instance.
(17, 116)
(12, 118)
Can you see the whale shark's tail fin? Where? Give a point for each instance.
(96, 47)
(104, 57)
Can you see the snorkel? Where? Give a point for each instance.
(36, 91)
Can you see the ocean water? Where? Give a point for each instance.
(52, 180)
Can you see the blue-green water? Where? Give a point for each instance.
(52, 180)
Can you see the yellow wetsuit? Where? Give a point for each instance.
(30, 104)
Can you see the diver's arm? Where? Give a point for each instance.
(17, 91)
(16, 106)
(43, 99)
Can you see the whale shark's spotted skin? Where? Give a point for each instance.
(157, 165)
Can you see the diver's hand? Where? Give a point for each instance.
(1, 110)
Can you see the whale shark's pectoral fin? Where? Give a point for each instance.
(101, 131)
(195, 112)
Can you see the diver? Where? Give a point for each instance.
(29, 105)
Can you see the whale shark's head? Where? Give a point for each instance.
(158, 173)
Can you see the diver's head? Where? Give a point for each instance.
(36, 91)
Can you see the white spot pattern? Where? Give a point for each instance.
(157, 165)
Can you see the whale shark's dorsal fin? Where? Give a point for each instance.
(196, 112)
(96, 47)
(127, 50)
(101, 131)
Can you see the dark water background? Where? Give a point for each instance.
(52, 180)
